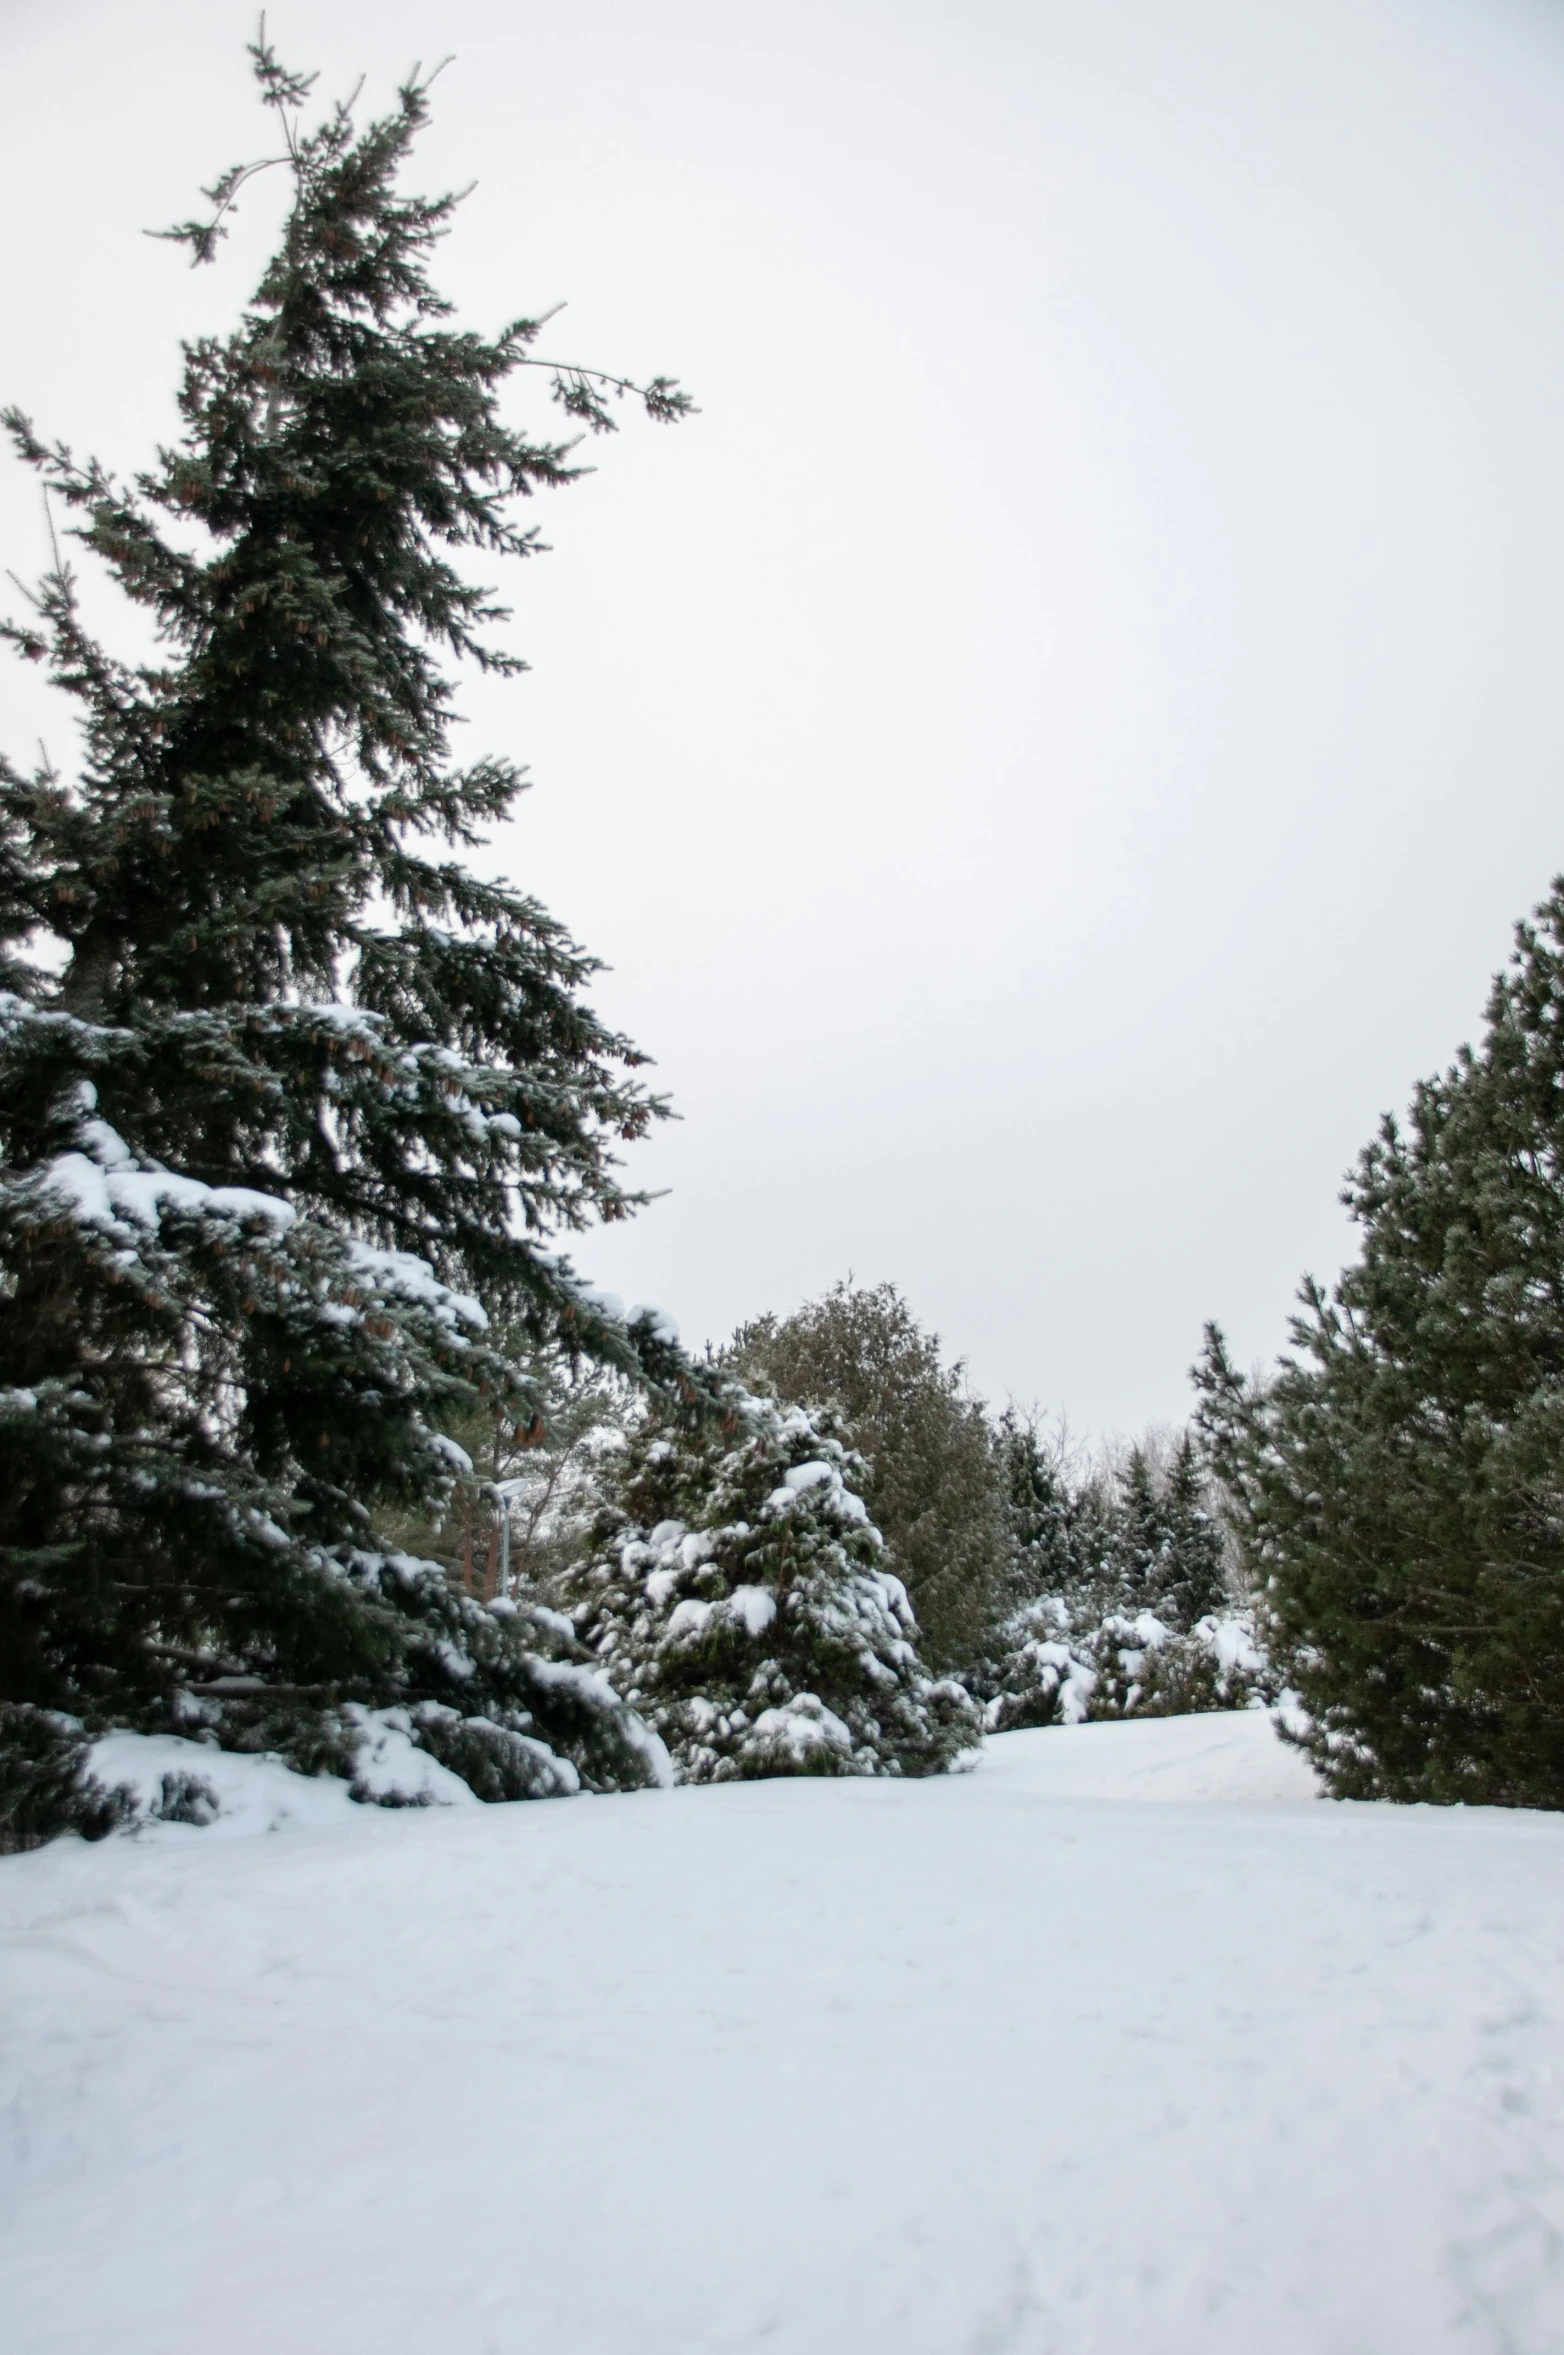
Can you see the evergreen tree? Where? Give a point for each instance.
(46, 1786)
(1398, 1483)
(1133, 1615)
(933, 1483)
(1037, 1667)
(1041, 1506)
(1196, 1581)
(1168, 1551)
(283, 1085)
(740, 1598)
(1047, 1516)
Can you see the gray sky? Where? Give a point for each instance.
(1059, 744)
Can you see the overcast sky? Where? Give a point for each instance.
(1059, 744)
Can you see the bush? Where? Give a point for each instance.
(44, 1788)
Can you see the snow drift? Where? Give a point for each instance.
(1014, 2061)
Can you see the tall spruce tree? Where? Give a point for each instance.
(1399, 1481)
(283, 1085)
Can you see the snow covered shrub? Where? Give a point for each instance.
(738, 1596)
(1058, 1672)
(1043, 1677)
(46, 1787)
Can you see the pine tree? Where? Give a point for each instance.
(1398, 1482)
(740, 1598)
(1167, 1550)
(1037, 1667)
(284, 1086)
(1029, 1605)
(933, 1483)
(1192, 1581)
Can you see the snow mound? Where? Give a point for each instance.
(1000, 2064)
(1230, 1754)
(179, 1786)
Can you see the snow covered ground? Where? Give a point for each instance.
(1057, 2057)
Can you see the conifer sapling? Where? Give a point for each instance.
(738, 1594)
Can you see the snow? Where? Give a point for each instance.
(1232, 1754)
(407, 1277)
(106, 1197)
(106, 1186)
(242, 1795)
(754, 1605)
(804, 1476)
(802, 1725)
(390, 1766)
(1120, 2042)
(232, 1794)
(663, 1326)
(607, 1305)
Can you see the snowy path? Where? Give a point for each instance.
(953, 2068)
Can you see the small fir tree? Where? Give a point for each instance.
(1039, 1511)
(283, 1085)
(739, 1596)
(933, 1483)
(1398, 1481)
(1167, 1553)
(1027, 1673)
(1040, 1504)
